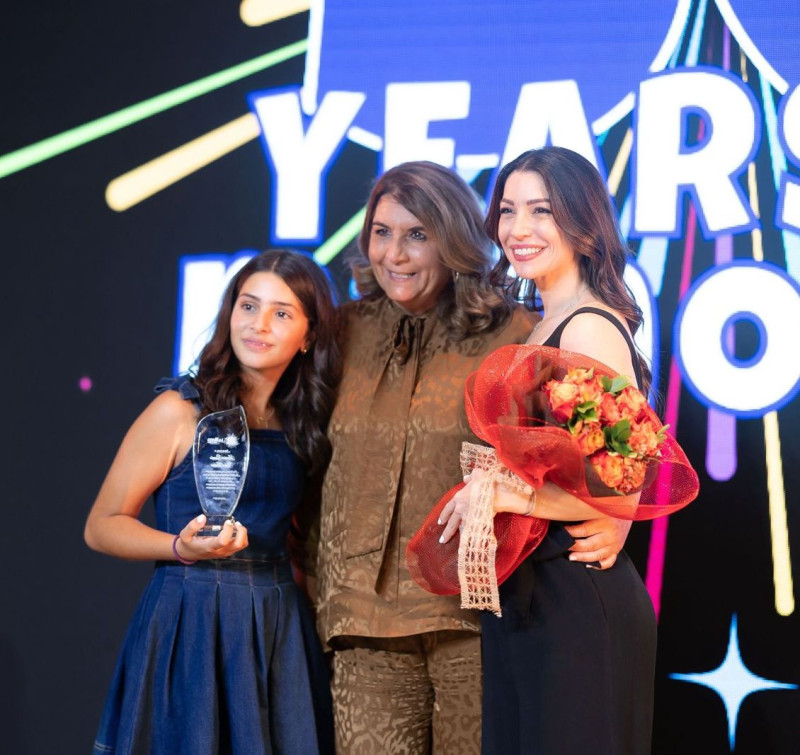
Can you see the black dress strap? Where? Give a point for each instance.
(555, 337)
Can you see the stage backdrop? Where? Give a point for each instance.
(147, 149)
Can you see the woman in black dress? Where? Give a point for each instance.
(569, 667)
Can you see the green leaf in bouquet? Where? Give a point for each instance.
(617, 437)
(585, 412)
(614, 385)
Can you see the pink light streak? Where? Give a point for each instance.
(654, 579)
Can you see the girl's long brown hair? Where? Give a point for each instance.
(305, 394)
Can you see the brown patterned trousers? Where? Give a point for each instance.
(408, 695)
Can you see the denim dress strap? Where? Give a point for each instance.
(183, 384)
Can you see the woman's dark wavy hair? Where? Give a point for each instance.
(448, 210)
(304, 396)
(583, 212)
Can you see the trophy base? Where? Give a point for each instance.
(213, 526)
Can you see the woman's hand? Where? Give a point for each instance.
(504, 498)
(455, 510)
(192, 547)
(598, 541)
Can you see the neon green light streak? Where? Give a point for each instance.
(80, 135)
(340, 238)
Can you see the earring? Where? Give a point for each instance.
(304, 350)
(456, 276)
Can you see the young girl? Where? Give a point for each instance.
(221, 655)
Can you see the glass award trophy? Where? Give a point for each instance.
(220, 452)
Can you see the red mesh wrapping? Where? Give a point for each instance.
(434, 565)
(508, 410)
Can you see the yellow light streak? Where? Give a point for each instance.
(781, 554)
(779, 531)
(140, 183)
(621, 161)
(752, 187)
(261, 12)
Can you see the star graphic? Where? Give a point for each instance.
(732, 681)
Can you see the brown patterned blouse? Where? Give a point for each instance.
(396, 432)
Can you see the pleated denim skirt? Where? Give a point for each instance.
(220, 657)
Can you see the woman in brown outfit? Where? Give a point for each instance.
(407, 668)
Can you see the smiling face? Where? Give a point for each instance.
(268, 325)
(531, 240)
(404, 258)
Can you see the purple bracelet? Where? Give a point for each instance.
(184, 561)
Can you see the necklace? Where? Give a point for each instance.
(263, 421)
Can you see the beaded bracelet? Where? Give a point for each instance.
(184, 561)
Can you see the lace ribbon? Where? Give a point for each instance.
(477, 547)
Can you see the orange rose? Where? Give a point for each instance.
(577, 375)
(608, 410)
(631, 403)
(609, 468)
(590, 438)
(644, 438)
(634, 471)
(591, 390)
(563, 398)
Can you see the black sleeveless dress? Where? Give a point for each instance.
(570, 666)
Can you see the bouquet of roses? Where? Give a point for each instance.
(612, 425)
(556, 415)
(551, 415)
